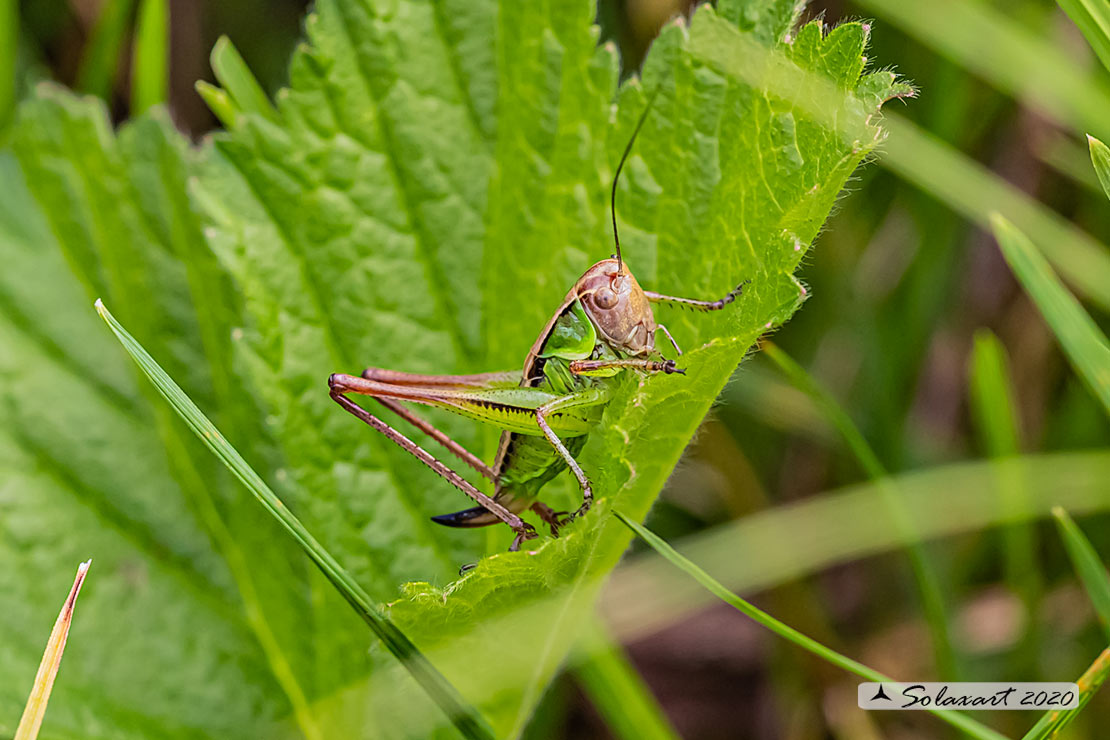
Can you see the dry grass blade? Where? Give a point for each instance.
(33, 713)
(1051, 723)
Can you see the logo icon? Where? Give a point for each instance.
(880, 694)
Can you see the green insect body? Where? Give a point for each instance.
(526, 461)
(604, 327)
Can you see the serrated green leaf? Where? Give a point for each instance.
(421, 197)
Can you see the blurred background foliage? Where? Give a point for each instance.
(913, 315)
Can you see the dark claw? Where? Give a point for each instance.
(670, 367)
(466, 568)
(529, 533)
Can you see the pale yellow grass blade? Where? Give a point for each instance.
(33, 713)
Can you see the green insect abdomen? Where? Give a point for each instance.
(530, 462)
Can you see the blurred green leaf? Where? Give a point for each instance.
(150, 65)
(961, 721)
(1087, 565)
(1084, 343)
(1100, 158)
(993, 408)
(237, 80)
(616, 689)
(219, 102)
(1092, 18)
(765, 549)
(1018, 60)
(992, 395)
(101, 56)
(832, 411)
(925, 574)
(9, 58)
(972, 190)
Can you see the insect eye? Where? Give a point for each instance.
(605, 298)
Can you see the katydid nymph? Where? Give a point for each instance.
(604, 327)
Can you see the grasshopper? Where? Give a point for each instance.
(604, 327)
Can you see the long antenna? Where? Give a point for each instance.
(616, 177)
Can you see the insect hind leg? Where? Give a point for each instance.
(523, 529)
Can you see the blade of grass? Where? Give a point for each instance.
(928, 582)
(468, 721)
(1087, 564)
(1084, 344)
(219, 102)
(1051, 723)
(35, 710)
(992, 406)
(1092, 17)
(763, 550)
(970, 189)
(968, 725)
(992, 395)
(617, 691)
(1100, 158)
(150, 73)
(237, 80)
(100, 62)
(829, 408)
(9, 58)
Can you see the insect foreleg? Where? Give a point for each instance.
(602, 367)
(670, 339)
(524, 530)
(590, 397)
(696, 304)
